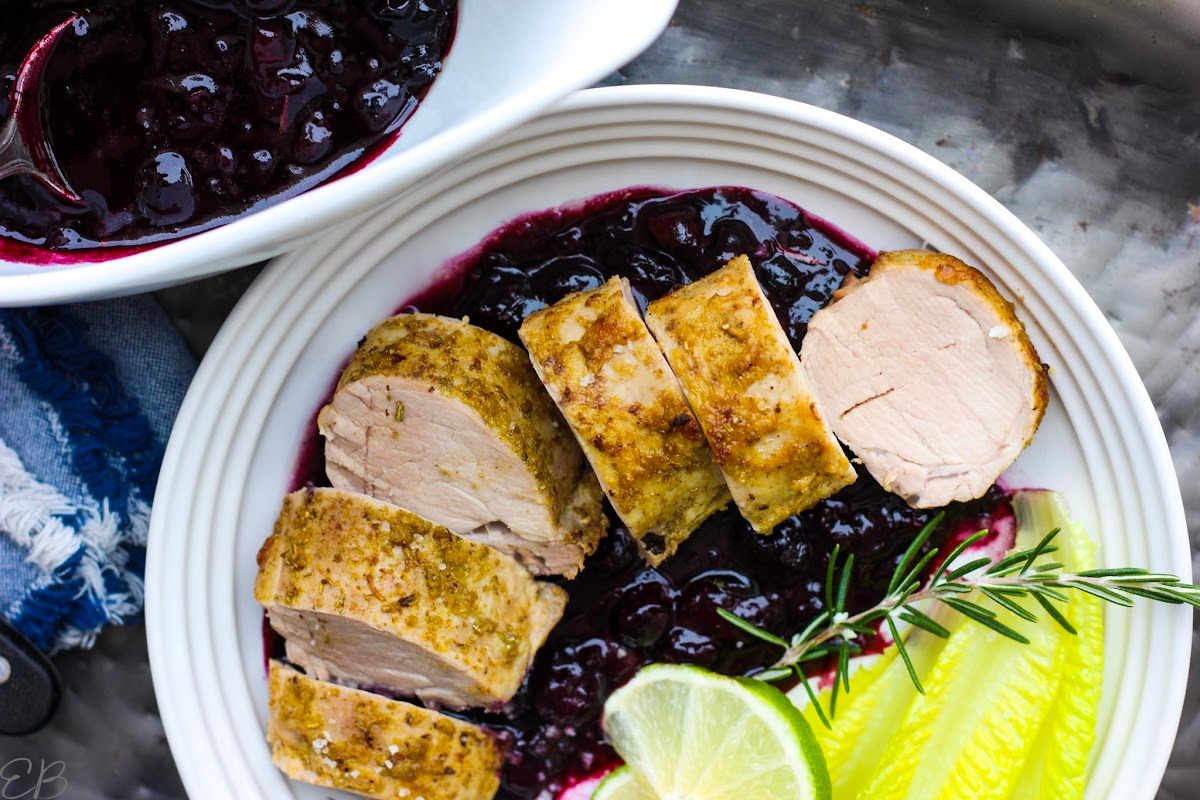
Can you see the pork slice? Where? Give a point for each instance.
(450, 421)
(928, 376)
(371, 595)
(595, 355)
(343, 738)
(744, 381)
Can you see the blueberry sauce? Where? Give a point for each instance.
(623, 614)
(171, 116)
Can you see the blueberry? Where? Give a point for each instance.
(565, 692)
(685, 646)
(196, 106)
(382, 103)
(561, 276)
(651, 274)
(704, 594)
(226, 161)
(676, 230)
(262, 165)
(733, 237)
(621, 664)
(787, 548)
(642, 612)
(166, 195)
(314, 138)
(615, 553)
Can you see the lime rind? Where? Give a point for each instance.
(622, 785)
(688, 733)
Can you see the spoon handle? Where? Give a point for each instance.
(24, 149)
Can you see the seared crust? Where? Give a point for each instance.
(342, 738)
(493, 378)
(744, 382)
(470, 612)
(610, 380)
(951, 270)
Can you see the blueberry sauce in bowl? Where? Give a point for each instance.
(623, 614)
(172, 116)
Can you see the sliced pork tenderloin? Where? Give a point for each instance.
(928, 376)
(450, 421)
(744, 382)
(371, 595)
(595, 355)
(343, 738)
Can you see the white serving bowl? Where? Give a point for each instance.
(231, 456)
(510, 59)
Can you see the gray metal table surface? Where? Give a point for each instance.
(1082, 118)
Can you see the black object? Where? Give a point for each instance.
(30, 694)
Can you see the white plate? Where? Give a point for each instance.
(510, 60)
(231, 456)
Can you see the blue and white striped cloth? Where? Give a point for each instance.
(88, 394)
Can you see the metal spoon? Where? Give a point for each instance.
(24, 149)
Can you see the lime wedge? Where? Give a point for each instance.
(689, 734)
(621, 785)
(1057, 766)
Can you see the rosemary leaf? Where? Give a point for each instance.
(956, 552)
(955, 603)
(772, 675)
(1118, 572)
(1052, 593)
(1054, 613)
(844, 668)
(1099, 591)
(903, 651)
(812, 698)
(1036, 553)
(844, 583)
(1190, 599)
(911, 553)
(1012, 591)
(746, 627)
(967, 568)
(829, 570)
(1146, 577)
(815, 655)
(981, 615)
(867, 617)
(912, 578)
(1009, 603)
(1009, 560)
(1152, 594)
(1005, 565)
(915, 616)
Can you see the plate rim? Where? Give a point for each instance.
(1146, 427)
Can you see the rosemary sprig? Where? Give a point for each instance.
(834, 632)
